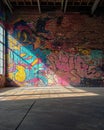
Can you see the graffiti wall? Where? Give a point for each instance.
(55, 49)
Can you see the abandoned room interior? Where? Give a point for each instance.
(51, 58)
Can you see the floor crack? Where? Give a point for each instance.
(25, 115)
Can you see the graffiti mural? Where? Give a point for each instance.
(55, 50)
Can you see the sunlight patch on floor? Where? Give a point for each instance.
(24, 93)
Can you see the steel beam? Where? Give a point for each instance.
(38, 1)
(94, 6)
(9, 5)
(62, 4)
(31, 2)
(66, 3)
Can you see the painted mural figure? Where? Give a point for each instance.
(36, 59)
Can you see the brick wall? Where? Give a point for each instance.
(55, 49)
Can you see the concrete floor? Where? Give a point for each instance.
(55, 108)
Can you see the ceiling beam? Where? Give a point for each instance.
(62, 4)
(94, 6)
(66, 3)
(80, 2)
(31, 2)
(24, 2)
(88, 2)
(16, 2)
(73, 2)
(38, 1)
(9, 5)
(54, 2)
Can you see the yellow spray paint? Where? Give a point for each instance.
(35, 62)
(24, 35)
(11, 75)
(13, 43)
(22, 54)
(37, 43)
(20, 76)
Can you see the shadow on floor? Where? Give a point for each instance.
(36, 109)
